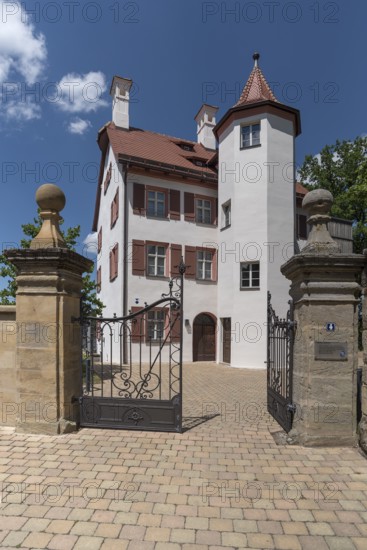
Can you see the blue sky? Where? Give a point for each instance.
(179, 54)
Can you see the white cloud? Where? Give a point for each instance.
(22, 110)
(21, 49)
(90, 245)
(79, 126)
(82, 93)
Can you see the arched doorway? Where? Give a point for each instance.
(204, 338)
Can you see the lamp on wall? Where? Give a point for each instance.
(187, 323)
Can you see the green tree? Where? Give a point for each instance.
(342, 170)
(92, 305)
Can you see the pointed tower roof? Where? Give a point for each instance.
(256, 89)
(257, 98)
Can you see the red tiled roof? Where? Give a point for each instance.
(159, 148)
(300, 190)
(256, 89)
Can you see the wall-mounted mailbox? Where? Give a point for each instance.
(331, 351)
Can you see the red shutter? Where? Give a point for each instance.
(116, 259)
(100, 240)
(108, 178)
(137, 326)
(190, 261)
(138, 258)
(175, 326)
(214, 209)
(174, 204)
(99, 279)
(176, 255)
(117, 205)
(139, 199)
(111, 265)
(189, 204)
(112, 213)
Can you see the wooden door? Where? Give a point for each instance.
(204, 338)
(226, 325)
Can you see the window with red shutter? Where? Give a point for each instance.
(99, 279)
(137, 326)
(139, 199)
(176, 255)
(108, 178)
(174, 204)
(99, 246)
(114, 262)
(175, 326)
(189, 207)
(190, 261)
(115, 209)
(138, 258)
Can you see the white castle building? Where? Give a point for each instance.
(228, 203)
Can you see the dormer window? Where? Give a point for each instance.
(198, 162)
(250, 135)
(186, 146)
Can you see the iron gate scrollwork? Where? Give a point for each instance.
(132, 366)
(280, 366)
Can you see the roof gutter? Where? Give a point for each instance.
(168, 168)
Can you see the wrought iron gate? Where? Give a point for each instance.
(131, 367)
(280, 366)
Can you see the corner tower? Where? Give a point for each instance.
(256, 198)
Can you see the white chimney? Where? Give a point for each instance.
(120, 92)
(206, 121)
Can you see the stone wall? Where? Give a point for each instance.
(8, 339)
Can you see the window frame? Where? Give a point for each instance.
(115, 207)
(157, 245)
(251, 286)
(228, 205)
(251, 145)
(108, 178)
(163, 313)
(156, 190)
(204, 261)
(113, 253)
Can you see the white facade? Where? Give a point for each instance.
(255, 231)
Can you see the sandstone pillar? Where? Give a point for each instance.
(363, 422)
(325, 290)
(48, 349)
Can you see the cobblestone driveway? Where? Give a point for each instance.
(224, 483)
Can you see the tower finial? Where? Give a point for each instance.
(256, 57)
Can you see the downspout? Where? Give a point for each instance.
(125, 263)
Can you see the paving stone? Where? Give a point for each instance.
(287, 542)
(62, 542)
(146, 491)
(260, 540)
(88, 543)
(37, 540)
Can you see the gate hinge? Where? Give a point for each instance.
(77, 399)
(291, 407)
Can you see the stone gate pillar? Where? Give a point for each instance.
(363, 422)
(325, 290)
(48, 348)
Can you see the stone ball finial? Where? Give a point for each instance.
(318, 201)
(50, 197)
(317, 204)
